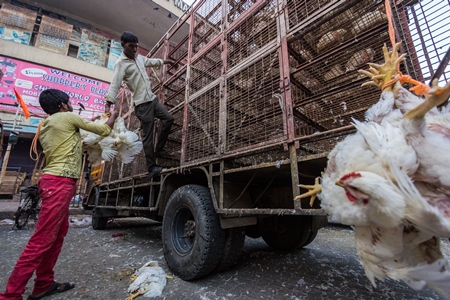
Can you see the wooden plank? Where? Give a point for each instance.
(12, 173)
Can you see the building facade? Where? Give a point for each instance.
(69, 45)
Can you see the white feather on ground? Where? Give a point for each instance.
(150, 281)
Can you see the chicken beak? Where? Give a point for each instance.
(339, 183)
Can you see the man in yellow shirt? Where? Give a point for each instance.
(131, 69)
(60, 139)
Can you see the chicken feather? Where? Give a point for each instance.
(403, 253)
(121, 143)
(418, 211)
(388, 180)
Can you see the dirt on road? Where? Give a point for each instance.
(100, 263)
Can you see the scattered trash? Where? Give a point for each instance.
(118, 235)
(77, 200)
(7, 222)
(124, 274)
(301, 282)
(278, 163)
(86, 221)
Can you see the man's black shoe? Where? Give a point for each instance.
(161, 152)
(155, 170)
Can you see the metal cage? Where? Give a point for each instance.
(256, 75)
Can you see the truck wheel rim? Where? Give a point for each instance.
(183, 231)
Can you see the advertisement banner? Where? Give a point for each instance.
(31, 79)
(54, 35)
(114, 53)
(93, 48)
(16, 23)
(14, 34)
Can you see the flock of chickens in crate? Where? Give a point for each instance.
(352, 25)
(390, 180)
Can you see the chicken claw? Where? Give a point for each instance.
(381, 75)
(133, 295)
(436, 96)
(313, 190)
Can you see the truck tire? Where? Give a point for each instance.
(193, 240)
(311, 237)
(288, 232)
(99, 223)
(91, 198)
(234, 242)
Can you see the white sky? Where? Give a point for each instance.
(434, 26)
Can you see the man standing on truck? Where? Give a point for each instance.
(131, 69)
(60, 138)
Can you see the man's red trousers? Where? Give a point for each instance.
(44, 246)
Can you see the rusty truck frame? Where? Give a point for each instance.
(264, 89)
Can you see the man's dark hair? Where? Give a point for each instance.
(129, 37)
(51, 99)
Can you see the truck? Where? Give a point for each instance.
(263, 91)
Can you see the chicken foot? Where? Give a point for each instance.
(133, 295)
(313, 190)
(436, 96)
(384, 76)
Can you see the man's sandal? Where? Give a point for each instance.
(55, 288)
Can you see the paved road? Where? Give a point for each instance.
(99, 261)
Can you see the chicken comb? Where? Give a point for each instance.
(350, 175)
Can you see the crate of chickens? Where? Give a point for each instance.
(202, 130)
(251, 32)
(254, 102)
(205, 68)
(207, 19)
(175, 90)
(324, 60)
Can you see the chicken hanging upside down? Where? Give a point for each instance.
(121, 142)
(390, 181)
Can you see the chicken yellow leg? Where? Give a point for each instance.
(436, 96)
(133, 295)
(382, 75)
(313, 190)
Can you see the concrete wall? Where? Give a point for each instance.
(54, 60)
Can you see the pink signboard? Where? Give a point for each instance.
(31, 79)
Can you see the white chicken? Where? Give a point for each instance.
(148, 281)
(403, 253)
(367, 183)
(410, 251)
(387, 237)
(355, 190)
(426, 130)
(121, 142)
